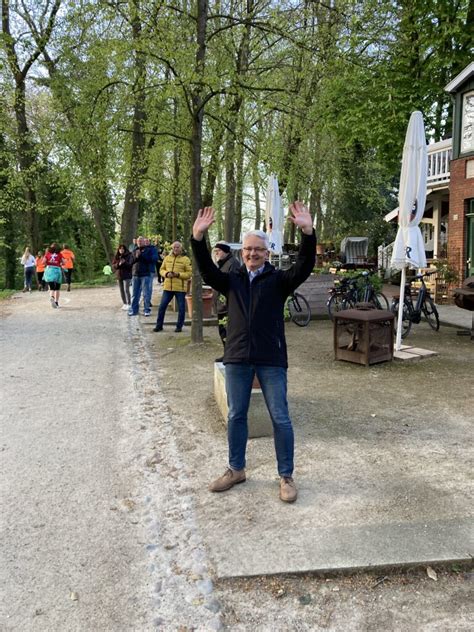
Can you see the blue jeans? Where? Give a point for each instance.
(139, 285)
(166, 299)
(273, 380)
(29, 272)
(148, 290)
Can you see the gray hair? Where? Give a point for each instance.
(260, 234)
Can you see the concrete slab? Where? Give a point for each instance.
(413, 353)
(405, 355)
(425, 353)
(345, 548)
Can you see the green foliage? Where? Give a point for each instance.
(374, 279)
(321, 97)
(446, 271)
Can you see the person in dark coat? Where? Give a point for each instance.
(122, 265)
(256, 295)
(142, 259)
(226, 262)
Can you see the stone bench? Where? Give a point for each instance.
(259, 422)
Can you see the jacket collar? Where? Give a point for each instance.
(266, 270)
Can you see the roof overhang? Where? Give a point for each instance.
(393, 214)
(461, 78)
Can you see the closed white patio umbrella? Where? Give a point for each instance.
(274, 216)
(409, 250)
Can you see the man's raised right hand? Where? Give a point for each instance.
(204, 219)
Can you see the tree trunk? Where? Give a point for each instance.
(197, 108)
(176, 183)
(239, 186)
(9, 248)
(27, 159)
(256, 190)
(99, 202)
(230, 186)
(138, 159)
(213, 166)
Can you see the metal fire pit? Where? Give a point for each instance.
(363, 336)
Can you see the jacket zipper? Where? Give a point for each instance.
(249, 318)
(172, 270)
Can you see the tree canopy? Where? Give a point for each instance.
(123, 117)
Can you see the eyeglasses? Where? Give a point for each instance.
(258, 250)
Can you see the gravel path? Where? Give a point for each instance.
(97, 521)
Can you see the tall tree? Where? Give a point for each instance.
(26, 150)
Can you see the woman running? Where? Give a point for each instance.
(40, 271)
(53, 275)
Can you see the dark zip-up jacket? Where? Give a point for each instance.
(255, 327)
(142, 259)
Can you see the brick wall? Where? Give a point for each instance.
(461, 189)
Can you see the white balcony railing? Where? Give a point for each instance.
(384, 257)
(439, 155)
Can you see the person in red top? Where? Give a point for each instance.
(68, 266)
(40, 266)
(53, 274)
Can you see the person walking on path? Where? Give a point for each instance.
(28, 262)
(53, 275)
(176, 270)
(226, 262)
(152, 271)
(255, 345)
(122, 265)
(40, 271)
(68, 266)
(142, 256)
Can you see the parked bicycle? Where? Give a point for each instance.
(299, 309)
(412, 312)
(347, 292)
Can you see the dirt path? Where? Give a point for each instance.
(93, 537)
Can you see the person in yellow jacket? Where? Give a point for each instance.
(176, 271)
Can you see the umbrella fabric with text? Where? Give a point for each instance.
(409, 250)
(274, 216)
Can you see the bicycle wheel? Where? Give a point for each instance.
(334, 305)
(431, 313)
(406, 322)
(380, 300)
(299, 309)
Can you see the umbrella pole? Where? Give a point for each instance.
(398, 341)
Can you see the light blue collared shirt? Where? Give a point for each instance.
(253, 274)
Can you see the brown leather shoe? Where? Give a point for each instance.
(288, 491)
(227, 480)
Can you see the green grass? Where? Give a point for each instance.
(97, 282)
(6, 294)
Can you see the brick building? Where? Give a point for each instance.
(448, 222)
(460, 243)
